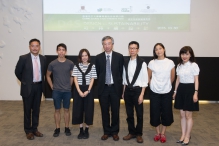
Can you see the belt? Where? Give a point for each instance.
(109, 85)
(37, 82)
(133, 88)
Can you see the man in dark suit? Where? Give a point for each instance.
(109, 66)
(30, 71)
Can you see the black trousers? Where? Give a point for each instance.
(83, 107)
(161, 109)
(110, 100)
(131, 100)
(31, 105)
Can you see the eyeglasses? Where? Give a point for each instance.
(133, 48)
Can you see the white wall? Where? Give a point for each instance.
(21, 20)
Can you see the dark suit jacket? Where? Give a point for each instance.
(24, 72)
(117, 61)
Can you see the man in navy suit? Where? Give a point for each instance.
(109, 67)
(30, 71)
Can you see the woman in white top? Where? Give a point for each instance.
(186, 91)
(83, 104)
(161, 74)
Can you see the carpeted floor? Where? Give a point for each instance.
(205, 130)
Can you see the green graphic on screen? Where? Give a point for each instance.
(117, 15)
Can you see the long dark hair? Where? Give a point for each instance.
(80, 55)
(154, 53)
(184, 50)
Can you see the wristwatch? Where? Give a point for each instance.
(88, 91)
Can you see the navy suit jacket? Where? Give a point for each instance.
(117, 62)
(24, 73)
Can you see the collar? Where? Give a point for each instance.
(187, 63)
(133, 59)
(32, 56)
(161, 59)
(110, 54)
(83, 64)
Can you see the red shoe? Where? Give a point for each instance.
(157, 137)
(163, 138)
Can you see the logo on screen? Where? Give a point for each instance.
(127, 9)
(104, 10)
(147, 9)
(99, 10)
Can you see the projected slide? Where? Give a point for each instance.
(116, 15)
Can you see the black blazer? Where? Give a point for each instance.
(24, 73)
(117, 62)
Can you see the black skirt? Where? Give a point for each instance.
(184, 98)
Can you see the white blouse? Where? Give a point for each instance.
(161, 73)
(187, 71)
(142, 79)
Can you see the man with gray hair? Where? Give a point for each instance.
(109, 67)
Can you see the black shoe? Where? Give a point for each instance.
(67, 131)
(56, 132)
(81, 134)
(183, 143)
(86, 133)
(179, 141)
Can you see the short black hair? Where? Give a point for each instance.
(154, 53)
(61, 45)
(134, 42)
(184, 50)
(34, 40)
(80, 55)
